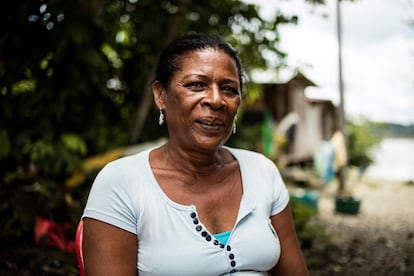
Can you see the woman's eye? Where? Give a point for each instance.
(231, 90)
(196, 86)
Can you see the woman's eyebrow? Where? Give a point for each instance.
(226, 80)
(194, 75)
(229, 81)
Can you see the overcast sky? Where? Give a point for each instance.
(377, 48)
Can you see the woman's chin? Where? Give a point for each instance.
(211, 142)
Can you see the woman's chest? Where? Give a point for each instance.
(178, 243)
(217, 200)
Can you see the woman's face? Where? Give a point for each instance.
(202, 99)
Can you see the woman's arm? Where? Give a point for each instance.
(108, 250)
(291, 260)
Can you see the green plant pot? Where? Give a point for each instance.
(347, 205)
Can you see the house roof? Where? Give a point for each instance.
(302, 80)
(297, 80)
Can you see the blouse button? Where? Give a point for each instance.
(221, 245)
(231, 256)
(198, 228)
(208, 238)
(195, 221)
(228, 248)
(204, 233)
(193, 215)
(233, 263)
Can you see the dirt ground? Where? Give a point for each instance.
(379, 240)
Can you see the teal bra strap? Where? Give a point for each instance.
(223, 237)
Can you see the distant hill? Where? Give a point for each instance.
(386, 130)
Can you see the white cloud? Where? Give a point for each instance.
(374, 21)
(378, 54)
(377, 64)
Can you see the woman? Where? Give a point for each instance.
(192, 206)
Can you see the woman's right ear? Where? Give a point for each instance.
(159, 94)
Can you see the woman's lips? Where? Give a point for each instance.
(211, 124)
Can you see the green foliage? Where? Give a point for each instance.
(4, 144)
(361, 141)
(75, 74)
(302, 214)
(248, 137)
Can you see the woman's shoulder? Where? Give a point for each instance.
(130, 160)
(133, 164)
(252, 162)
(249, 155)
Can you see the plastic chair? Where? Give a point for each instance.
(79, 253)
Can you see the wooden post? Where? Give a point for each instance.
(341, 108)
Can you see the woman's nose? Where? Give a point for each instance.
(214, 98)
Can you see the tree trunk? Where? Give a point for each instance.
(143, 107)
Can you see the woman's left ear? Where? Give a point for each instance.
(158, 91)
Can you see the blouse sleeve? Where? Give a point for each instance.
(110, 200)
(281, 194)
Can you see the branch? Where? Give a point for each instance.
(142, 108)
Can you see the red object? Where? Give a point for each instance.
(79, 253)
(48, 232)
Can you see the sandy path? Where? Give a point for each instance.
(377, 241)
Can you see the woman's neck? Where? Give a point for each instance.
(194, 162)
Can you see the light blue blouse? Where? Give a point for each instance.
(172, 239)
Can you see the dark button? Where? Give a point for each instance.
(208, 238)
(228, 248)
(231, 256)
(221, 245)
(204, 233)
(193, 214)
(216, 242)
(195, 221)
(233, 263)
(198, 228)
